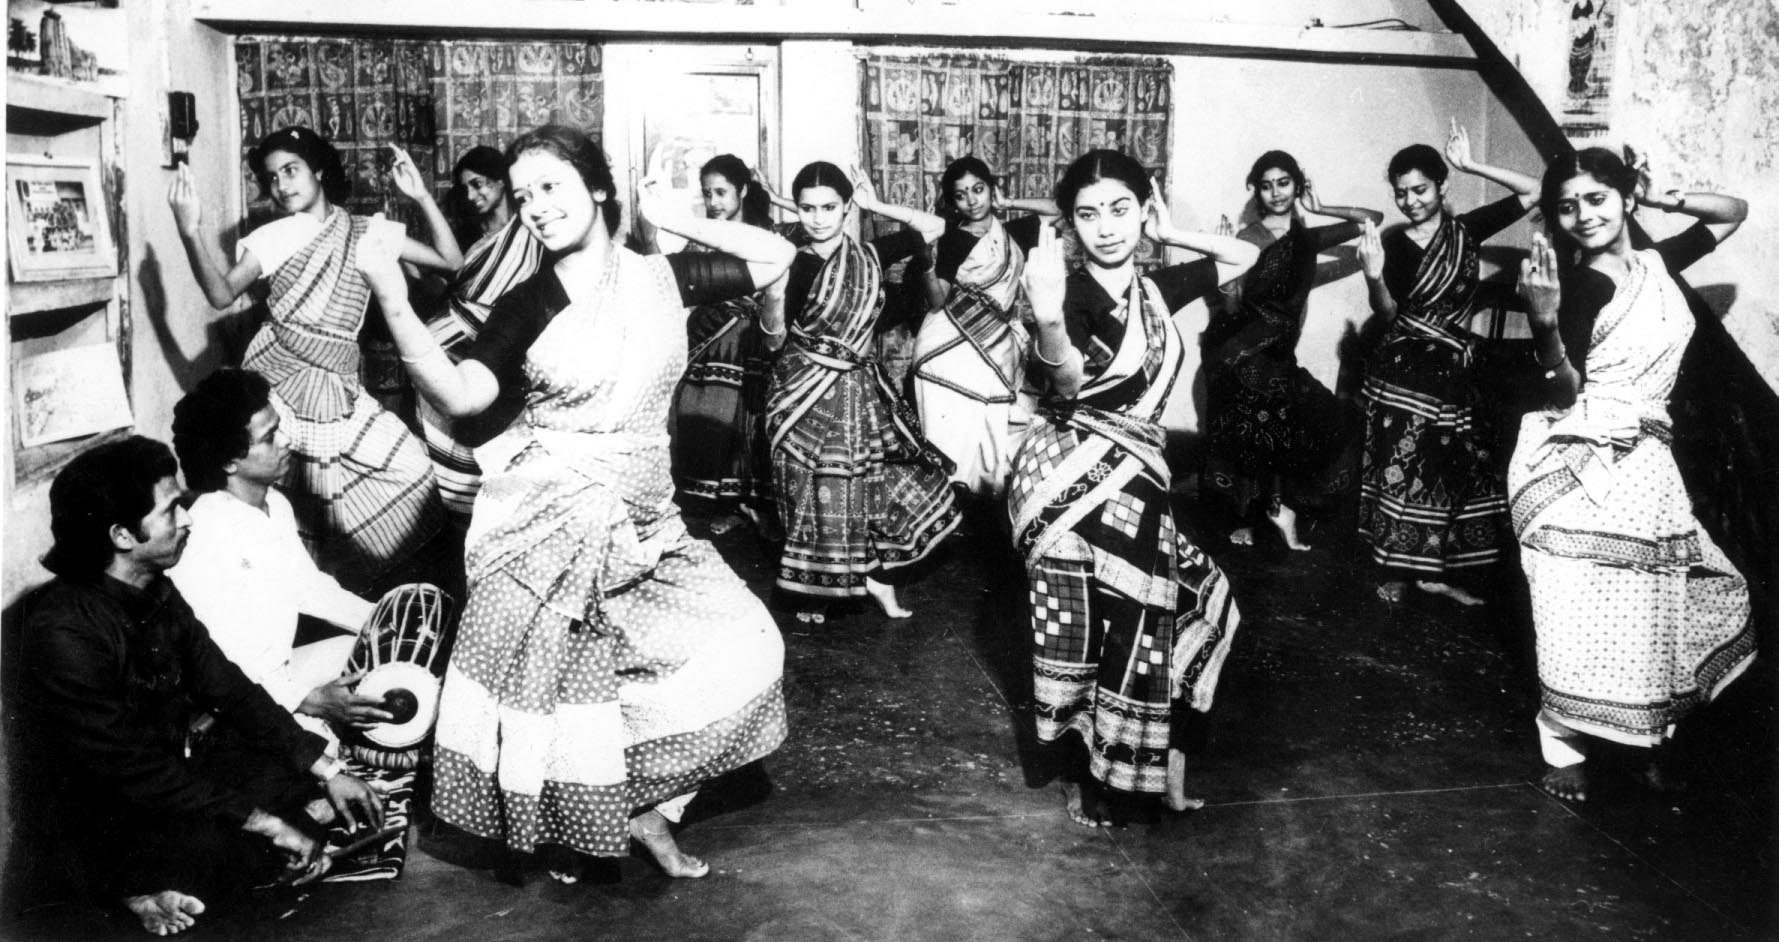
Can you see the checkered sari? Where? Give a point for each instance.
(1131, 623)
(362, 488)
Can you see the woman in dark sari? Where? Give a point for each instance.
(1276, 439)
(1131, 622)
(1432, 501)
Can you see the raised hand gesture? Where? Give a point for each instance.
(1045, 278)
(1308, 198)
(1457, 148)
(1539, 285)
(405, 175)
(1158, 225)
(182, 195)
(654, 206)
(1371, 251)
(864, 193)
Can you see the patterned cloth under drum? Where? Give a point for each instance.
(859, 489)
(1639, 616)
(1273, 434)
(969, 358)
(359, 481)
(1131, 622)
(1431, 498)
(606, 661)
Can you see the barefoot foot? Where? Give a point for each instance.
(1284, 520)
(166, 912)
(1242, 536)
(651, 830)
(1082, 806)
(765, 523)
(884, 595)
(1452, 592)
(724, 524)
(1392, 591)
(812, 617)
(1569, 783)
(1177, 799)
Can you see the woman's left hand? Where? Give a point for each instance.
(1308, 199)
(1539, 284)
(405, 175)
(1457, 148)
(1157, 224)
(654, 206)
(864, 194)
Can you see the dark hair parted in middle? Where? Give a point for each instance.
(210, 424)
(971, 165)
(580, 152)
(821, 173)
(312, 149)
(756, 208)
(1597, 162)
(1420, 157)
(111, 485)
(1275, 160)
(1097, 165)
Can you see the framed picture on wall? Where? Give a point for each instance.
(55, 219)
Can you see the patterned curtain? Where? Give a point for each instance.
(434, 98)
(1026, 119)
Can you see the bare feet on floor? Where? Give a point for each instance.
(1392, 591)
(724, 524)
(1452, 592)
(1242, 536)
(1285, 521)
(1082, 805)
(1569, 783)
(1177, 799)
(884, 595)
(812, 616)
(651, 830)
(765, 523)
(166, 912)
(1660, 778)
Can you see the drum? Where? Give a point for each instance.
(398, 652)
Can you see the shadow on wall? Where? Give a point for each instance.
(225, 335)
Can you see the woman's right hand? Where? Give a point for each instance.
(182, 195)
(1371, 251)
(1045, 278)
(379, 261)
(1540, 286)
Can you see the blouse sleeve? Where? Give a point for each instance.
(1182, 284)
(896, 246)
(1024, 231)
(1327, 237)
(954, 246)
(1484, 221)
(513, 325)
(1680, 251)
(710, 277)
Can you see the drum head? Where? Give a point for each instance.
(421, 684)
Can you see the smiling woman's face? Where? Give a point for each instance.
(554, 203)
(1591, 212)
(1417, 197)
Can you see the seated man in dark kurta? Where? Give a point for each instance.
(116, 668)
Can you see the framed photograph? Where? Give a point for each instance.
(55, 219)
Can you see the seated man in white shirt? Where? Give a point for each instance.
(245, 570)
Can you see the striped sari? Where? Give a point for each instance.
(859, 489)
(1431, 498)
(1131, 623)
(362, 489)
(492, 267)
(969, 364)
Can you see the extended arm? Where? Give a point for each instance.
(1457, 153)
(1723, 215)
(864, 194)
(767, 256)
(456, 389)
(1232, 255)
(1542, 291)
(442, 254)
(220, 282)
(1046, 281)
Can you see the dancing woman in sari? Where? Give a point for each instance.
(1640, 618)
(503, 255)
(860, 492)
(607, 663)
(1274, 437)
(720, 454)
(969, 356)
(1131, 622)
(1431, 500)
(360, 484)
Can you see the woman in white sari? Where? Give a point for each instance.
(1639, 615)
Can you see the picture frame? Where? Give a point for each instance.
(56, 220)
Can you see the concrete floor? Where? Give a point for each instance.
(1367, 771)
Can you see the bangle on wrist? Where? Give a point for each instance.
(434, 352)
(1038, 354)
(1550, 370)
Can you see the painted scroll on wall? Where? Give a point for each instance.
(1587, 98)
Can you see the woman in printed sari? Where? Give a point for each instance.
(1131, 622)
(503, 255)
(1431, 499)
(969, 357)
(607, 663)
(720, 457)
(361, 485)
(860, 492)
(1276, 439)
(1640, 618)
